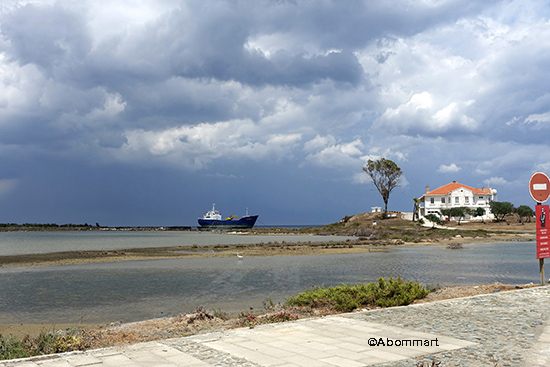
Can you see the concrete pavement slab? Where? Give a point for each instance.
(343, 339)
(329, 341)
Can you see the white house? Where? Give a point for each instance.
(456, 194)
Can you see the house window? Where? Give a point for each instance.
(432, 200)
(456, 200)
(467, 200)
(442, 200)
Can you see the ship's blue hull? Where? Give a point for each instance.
(244, 222)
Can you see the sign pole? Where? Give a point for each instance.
(541, 264)
(541, 269)
(539, 188)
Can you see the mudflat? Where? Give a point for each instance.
(373, 234)
(360, 245)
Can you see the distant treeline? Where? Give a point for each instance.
(13, 227)
(45, 225)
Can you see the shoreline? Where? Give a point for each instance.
(201, 321)
(246, 250)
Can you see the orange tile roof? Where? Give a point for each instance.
(444, 190)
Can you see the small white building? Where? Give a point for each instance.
(456, 194)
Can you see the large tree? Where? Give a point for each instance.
(385, 176)
(478, 212)
(500, 209)
(524, 211)
(434, 219)
(447, 214)
(459, 212)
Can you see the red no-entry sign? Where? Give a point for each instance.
(539, 187)
(543, 231)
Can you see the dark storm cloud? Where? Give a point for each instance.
(209, 42)
(204, 41)
(354, 24)
(50, 37)
(278, 93)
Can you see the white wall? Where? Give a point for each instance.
(457, 198)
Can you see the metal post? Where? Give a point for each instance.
(541, 269)
(541, 263)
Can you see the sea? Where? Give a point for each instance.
(138, 290)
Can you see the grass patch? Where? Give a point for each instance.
(44, 343)
(250, 320)
(384, 293)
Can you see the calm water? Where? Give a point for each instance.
(21, 243)
(135, 290)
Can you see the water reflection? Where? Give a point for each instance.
(134, 290)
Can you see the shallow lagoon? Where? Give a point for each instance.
(24, 243)
(136, 290)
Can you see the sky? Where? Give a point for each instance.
(141, 112)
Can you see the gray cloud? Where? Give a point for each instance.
(51, 37)
(203, 89)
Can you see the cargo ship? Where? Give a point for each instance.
(213, 219)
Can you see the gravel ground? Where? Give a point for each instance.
(505, 326)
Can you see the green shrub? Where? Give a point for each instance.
(12, 348)
(433, 218)
(384, 293)
(397, 293)
(44, 343)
